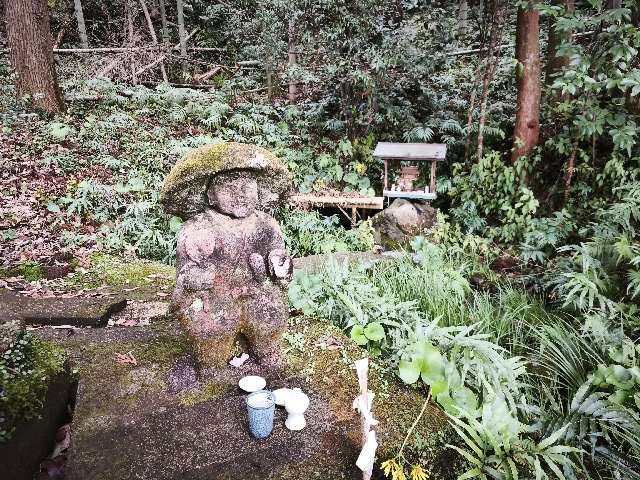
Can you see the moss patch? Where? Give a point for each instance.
(121, 273)
(100, 369)
(25, 371)
(31, 271)
(208, 392)
(183, 191)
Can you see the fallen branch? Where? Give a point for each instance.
(110, 66)
(162, 57)
(207, 75)
(500, 47)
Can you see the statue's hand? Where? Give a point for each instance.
(256, 262)
(280, 264)
(195, 279)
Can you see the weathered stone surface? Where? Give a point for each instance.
(140, 313)
(79, 312)
(397, 224)
(172, 426)
(184, 189)
(232, 268)
(313, 263)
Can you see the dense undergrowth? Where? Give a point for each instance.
(532, 391)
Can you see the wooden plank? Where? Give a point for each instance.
(372, 203)
(411, 151)
(432, 177)
(411, 195)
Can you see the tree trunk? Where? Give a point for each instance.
(269, 72)
(293, 60)
(555, 62)
(463, 16)
(82, 30)
(163, 20)
(31, 53)
(132, 65)
(181, 31)
(527, 127)
(497, 24)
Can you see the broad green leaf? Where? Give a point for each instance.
(409, 372)
(439, 387)
(464, 398)
(432, 364)
(374, 332)
(175, 223)
(358, 336)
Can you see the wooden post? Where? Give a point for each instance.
(386, 186)
(432, 179)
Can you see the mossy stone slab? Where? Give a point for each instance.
(79, 312)
(156, 419)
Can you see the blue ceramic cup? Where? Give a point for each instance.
(261, 406)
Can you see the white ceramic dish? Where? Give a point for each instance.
(281, 395)
(252, 383)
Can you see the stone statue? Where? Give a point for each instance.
(232, 266)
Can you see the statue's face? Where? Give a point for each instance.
(234, 194)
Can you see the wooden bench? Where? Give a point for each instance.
(340, 202)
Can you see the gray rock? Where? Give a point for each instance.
(396, 225)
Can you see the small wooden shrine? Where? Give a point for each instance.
(402, 155)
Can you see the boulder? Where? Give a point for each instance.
(396, 225)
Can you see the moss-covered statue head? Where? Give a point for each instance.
(209, 176)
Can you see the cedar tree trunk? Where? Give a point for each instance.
(527, 128)
(31, 53)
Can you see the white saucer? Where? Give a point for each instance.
(252, 383)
